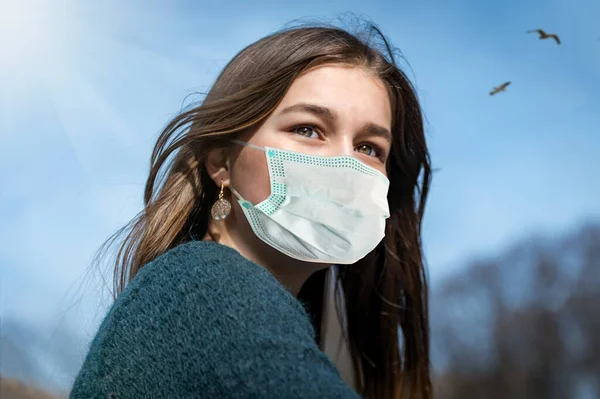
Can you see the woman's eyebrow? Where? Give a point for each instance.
(317, 110)
(379, 131)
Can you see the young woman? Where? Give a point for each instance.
(304, 168)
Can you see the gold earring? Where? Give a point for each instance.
(221, 207)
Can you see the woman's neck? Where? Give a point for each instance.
(291, 273)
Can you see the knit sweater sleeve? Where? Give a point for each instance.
(203, 322)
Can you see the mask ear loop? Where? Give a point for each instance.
(256, 147)
(233, 190)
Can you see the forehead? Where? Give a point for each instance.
(353, 92)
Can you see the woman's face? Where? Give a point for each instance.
(330, 110)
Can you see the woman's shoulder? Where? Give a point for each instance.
(204, 264)
(185, 320)
(208, 272)
(204, 259)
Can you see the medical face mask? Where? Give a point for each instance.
(321, 209)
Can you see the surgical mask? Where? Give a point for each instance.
(321, 209)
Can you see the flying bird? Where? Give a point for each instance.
(500, 88)
(544, 35)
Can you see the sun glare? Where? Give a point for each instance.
(31, 33)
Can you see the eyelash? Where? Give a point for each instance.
(378, 150)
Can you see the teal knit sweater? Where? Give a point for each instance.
(201, 321)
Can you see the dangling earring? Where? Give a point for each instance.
(222, 207)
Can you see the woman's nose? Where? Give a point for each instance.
(340, 146)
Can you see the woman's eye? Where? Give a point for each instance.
(367, 150)
(306, 131)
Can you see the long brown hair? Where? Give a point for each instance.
(384, 293)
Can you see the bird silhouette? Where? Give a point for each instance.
(500, 88)
(544, 35)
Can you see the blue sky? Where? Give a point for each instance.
(85, 88)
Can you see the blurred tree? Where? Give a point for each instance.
(523, 325)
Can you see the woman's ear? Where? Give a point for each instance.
(217, 166)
